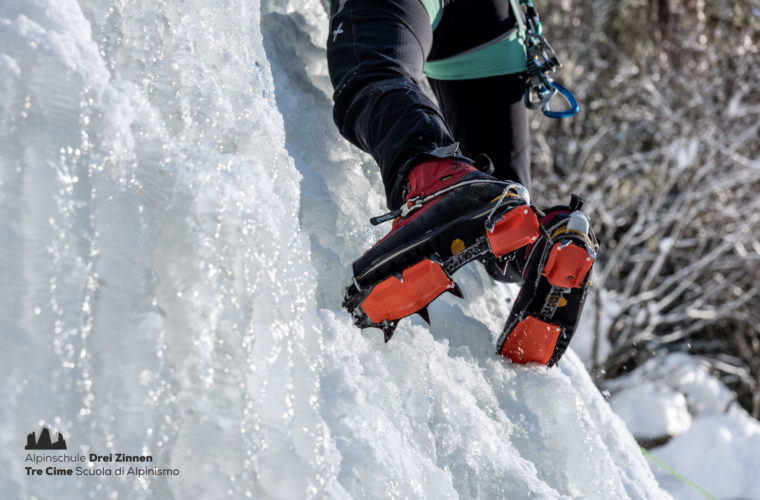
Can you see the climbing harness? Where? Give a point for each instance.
(521, 49)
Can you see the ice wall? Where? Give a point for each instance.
(179, 215)
(157, 292)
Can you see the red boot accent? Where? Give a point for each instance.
(428, 177)
(531, 341)
(433, 175)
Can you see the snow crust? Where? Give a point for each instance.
(715, 444)
(180, 218)
(666, 413)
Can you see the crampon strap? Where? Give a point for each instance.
(419, 201)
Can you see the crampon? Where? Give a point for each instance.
(556, 278)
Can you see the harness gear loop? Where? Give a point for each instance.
(541, 60)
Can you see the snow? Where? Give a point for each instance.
(666, 415)
(599, 312)
(181, 216)
(714, 444)
(719, 452)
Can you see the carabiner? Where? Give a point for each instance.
(541, 60)
(569, 98)
(538, 96)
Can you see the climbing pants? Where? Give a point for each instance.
(376, 52)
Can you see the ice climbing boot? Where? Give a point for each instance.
(452, 214)
(555, 280)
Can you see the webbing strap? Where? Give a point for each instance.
(434, 10)
(518, 15)
(504, 55)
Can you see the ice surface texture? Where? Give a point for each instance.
(179, 216)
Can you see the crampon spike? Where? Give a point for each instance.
(456, 291)
(424, 314)
(388, 329)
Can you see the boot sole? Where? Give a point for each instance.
(546, 312)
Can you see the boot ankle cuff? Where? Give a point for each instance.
(399, 190)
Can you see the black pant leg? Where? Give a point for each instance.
(487, 115)
(375, 53)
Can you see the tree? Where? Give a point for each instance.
(667, 153)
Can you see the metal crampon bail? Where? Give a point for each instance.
(541, 60)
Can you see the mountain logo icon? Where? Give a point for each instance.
(44, 442)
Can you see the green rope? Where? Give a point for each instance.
(670, 470)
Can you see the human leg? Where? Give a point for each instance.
(486, 115)
(375, 52)
(454, 213)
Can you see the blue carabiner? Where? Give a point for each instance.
(569, 98)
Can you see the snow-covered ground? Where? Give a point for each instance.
(179, 215)
(716, 443)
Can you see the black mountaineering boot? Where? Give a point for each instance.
(452, 214)
(556, 277)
